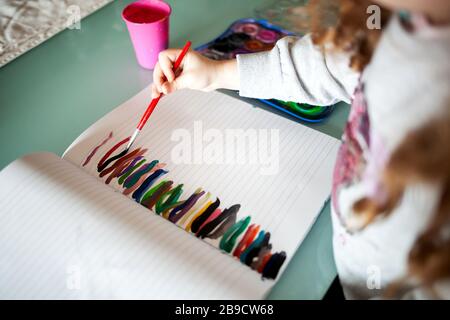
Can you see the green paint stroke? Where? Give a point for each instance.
(136, 176)
(230, 236)
(150, 192)
(169, 199)
(126, 175)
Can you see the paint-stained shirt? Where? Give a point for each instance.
(405, 86)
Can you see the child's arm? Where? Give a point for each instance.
(297, 70)
(293, 70)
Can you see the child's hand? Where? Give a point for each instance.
(196, 72)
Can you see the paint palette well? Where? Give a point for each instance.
(249, 36)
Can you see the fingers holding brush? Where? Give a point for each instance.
(163, 73)
(195, 72)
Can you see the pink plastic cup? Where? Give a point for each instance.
(148, 24)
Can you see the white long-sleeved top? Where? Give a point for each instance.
(406, 85)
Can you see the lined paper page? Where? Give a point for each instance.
(64, 235)
(285, 203)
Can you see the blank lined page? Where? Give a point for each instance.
(282, 194)
(65, 235)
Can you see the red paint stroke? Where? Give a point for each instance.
(264, 262)
(118, 169)
(248, 238)
(120, 164)
(114, 148)
(94, 151)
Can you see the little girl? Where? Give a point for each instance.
(391, 185)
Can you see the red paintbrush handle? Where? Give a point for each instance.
(148, 112)
(155, 101)
(181, 56)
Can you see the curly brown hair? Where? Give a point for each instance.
(343, 24)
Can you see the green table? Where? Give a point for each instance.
(49, 95)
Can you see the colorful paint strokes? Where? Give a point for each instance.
(199, 213)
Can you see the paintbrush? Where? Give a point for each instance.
(155, 101)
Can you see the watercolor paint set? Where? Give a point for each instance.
(249, 36)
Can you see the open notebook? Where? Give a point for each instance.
(192, 211)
